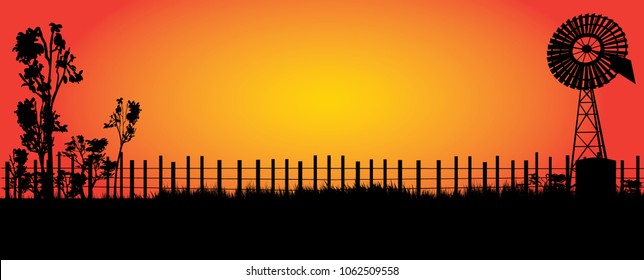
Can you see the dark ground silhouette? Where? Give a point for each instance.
(324, 226)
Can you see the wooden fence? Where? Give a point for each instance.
(414, 179)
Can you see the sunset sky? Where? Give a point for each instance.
(291, 79)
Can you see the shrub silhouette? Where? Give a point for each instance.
(21, 179)
(88, 154)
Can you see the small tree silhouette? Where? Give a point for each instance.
(123, 119)
(21, 179)
(40, 121)
(551, 183)
(631, 187)
(88, 154)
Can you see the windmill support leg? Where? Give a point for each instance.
(595, 173)
(589, 138)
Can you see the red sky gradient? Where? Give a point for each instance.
(291, 79)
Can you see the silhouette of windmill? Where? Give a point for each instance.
(587, 52)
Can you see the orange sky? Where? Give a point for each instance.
(289, 79)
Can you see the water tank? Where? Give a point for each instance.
(595, 178)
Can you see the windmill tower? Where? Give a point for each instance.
(585, 53)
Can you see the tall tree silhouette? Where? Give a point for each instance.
(124, 119)
(49, 65)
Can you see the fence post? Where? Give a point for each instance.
(71, 161)
(188, 175)
(16, 183)
(272, 176)
(201, 174)
(286, 176)
(239, 177)
(15, 187)
(121, 179)
(58, 160)
(536, 172)
(512, 178)
(484, 176)
(299, 176)
(371, 173)
(418, 178)
(131, 179)
(549, 181)
(160, 174)
(525, 176)
(438, 177)
(145, 179)
(568, 173)
(637, 168)
(384, 173)
(35, 170)
(258, 174)
(220, 188)
(455, 175)
(469, 173)
(173, 186)
(342, 173)
(7, 174)
(328, 171)
(90, 186)
(357, 185)
(621, 176)
(496, 175)
(400, 175)
(315, 173)
(107, 183)
(637, 172)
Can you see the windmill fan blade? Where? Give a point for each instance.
(623, 66)
(588, 51)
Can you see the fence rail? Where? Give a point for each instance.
(417, 178)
